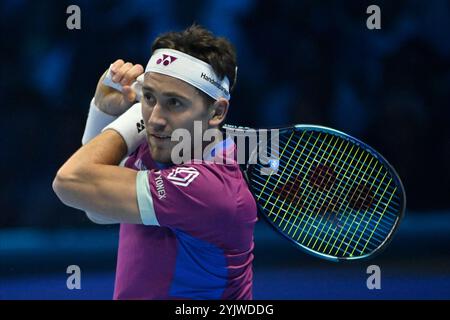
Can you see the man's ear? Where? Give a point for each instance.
(218, 112)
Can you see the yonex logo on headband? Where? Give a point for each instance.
(166, 59)
(215, 83)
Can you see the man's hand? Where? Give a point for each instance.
(111, 101)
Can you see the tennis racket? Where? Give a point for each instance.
(328, 193)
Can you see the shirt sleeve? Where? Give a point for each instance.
(194, 199)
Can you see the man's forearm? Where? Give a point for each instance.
(92, 181)
(95, 122)
(108, 148)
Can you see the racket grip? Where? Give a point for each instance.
(135, 86)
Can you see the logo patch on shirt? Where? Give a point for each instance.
(183, 176)
(160, 185)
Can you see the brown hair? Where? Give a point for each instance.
(204, 45)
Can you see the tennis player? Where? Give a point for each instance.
(186, 231)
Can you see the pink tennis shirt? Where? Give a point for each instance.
(197, 241)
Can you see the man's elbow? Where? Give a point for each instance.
(63, 185)
(98, 219)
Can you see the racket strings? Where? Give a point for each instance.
(305, 185)
(284, 168)
(350, 228)
(291, 197)
(379, 238)
(351, 224)
(338, 151)
(315, 193)
(317, 213)
(292, 184)
(345, 177)
(349, 177)
(316, 227)
(373, 230)
(290, 223)
(352, 197)
(333, 209)
(318, 196)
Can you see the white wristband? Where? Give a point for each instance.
(130, 126)
(95, 122)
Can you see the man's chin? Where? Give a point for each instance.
(159, 155)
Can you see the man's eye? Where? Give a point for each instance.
(174, 103)
(149, 98)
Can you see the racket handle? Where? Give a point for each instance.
(135, 86)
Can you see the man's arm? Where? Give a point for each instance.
(106, 106)
(91, 180)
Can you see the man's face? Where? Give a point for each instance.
(169, 104)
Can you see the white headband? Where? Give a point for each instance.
(191, 70)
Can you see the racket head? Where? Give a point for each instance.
(322, 175)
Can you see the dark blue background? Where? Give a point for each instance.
(306, 61)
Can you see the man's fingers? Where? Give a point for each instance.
(125, 73)
(117, 77)
(130, 76)
(115, 66)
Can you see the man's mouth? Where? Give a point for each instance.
(159, 136)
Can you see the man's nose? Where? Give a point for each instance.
(157, 119)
